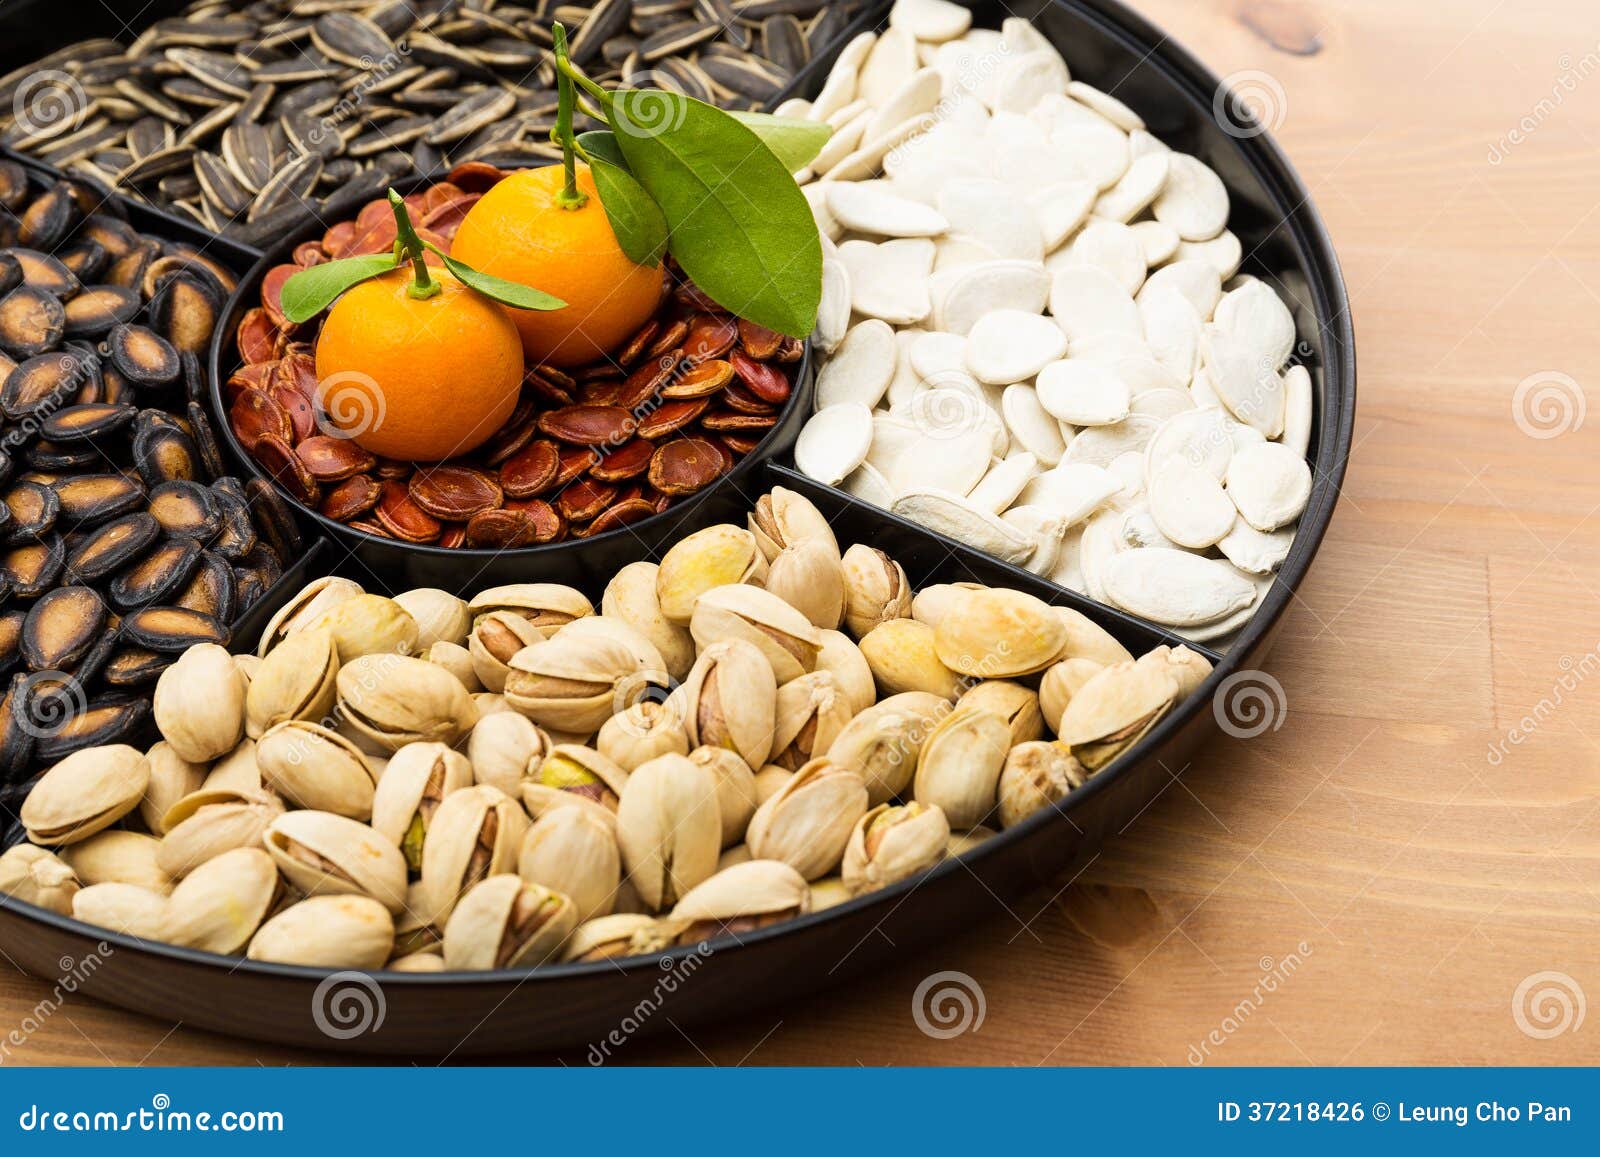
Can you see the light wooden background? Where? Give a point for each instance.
(1418, 883)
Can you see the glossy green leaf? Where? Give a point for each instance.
(311, 291)
(511, 293)
(636, 219)
(796, 142)
(737, 223)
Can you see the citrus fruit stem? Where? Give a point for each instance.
(570, 196)
(422, 286)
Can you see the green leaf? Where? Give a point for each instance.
(737, 222)
(796, 142)
(311, 291)
(511, 293)
(636, 220)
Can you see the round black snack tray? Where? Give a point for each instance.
(573, 1005)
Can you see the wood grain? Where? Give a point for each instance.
(1370, 855)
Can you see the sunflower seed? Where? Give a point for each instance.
(215, 71)
(219, 186)
(294, 182)
(351, 39)
(470, 115)
(248, 151)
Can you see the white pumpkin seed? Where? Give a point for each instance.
(1099, 445)
(1062, 207)
(1223, 252)
(999, 488)
(1173, 587)
(843, 78)
(1106, 105)
(1162, 404)
(917, 94)
(834, 442)
(1023, 80)
(1084, 393)
(890, 63)
(890, 280)
(1045, 527)
(833, 309)
(867, 207)
(1073, 490)
(1136, 191)
(1188, 504)
(1085, 300)
(1172, 329)
(1297, 409)
(861, 367)
(1159, 241)
(1256, 551)
(1256, 317)
(1200, 437)
(868, 484)
(1009, 345)
(1194, 201)
(1270, 484)
(1113, 247)
(998, 284)
(1248, 384)
(931, 20)
(1032, 427)
(1198, 281)
(952, 515)
(905, 382)
(990, 211)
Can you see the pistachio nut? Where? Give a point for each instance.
(809, 576)
(669, 827)
(248, 666)
(312, 767)
(621, 934)
(417, 962)
(958, 768)
(506, 922)
(716, 556)
(85, 793)
(903, 657)
(327, 932)
(1188, 667)
(892, 843)
(742, 898)
(368, 625)
(393, 700)
(643, 731)
(781, 633)
(544, 606)
(218, 906)
(736, 789)
(236, 771)
(505, 749)
(205, 823)
(630, 597)
(410, 791)
(37, 876)
(294, 681)
(1114, 709)
(841, 658)
(495, 637)
(308, 603)
(730, 700)
(488, 703)
(738, 854)
(769, 782)
(1061, 682)
(122, 908)
(646, 657)
(881, 744)
(875, 590)
(323, 854)
(439, 615)
(963, 842)
(199, 703)
(576, 682)
(119, 857)
(1016, 704)
(828, 892)
(811, 712)
(171, 778)
(415, 930)
(1035, 776)
(808, 823)
(476, 833)
(995, 633)
(455, 658)
(1087, 639)
(572, 851)
(573, 775)
(783, 518)
(932, 603)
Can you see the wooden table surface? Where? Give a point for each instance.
(1408, 869)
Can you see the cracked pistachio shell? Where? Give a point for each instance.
(206, 823)
(1016, 704)
(808, 823)
(811, 712)
(393, 700)
(368, 625)
(958, 768)
(248, 666)
(931, 604)
(573, 775)
(1035, 776)
(809, 576)
(716, 556)
(781, 633)
(122, 908)
(643, 731)
(903, 658)
(828, 892)
(171, 778)
(881, 744)
(730, 699)
(963, 842)
(415, 930)
(621, 934)
(891, 843)
(1189, 668)
(1060, 683)
(312, 767)
(119, 857)
(1087, 639)
(1114, 709)
(997, 633)
(737, 797)
(85, 793)
(496, 637)
(312, 600)
(630, 597)
(742, 898)
(476, 834)
(294, 681)
(505, 749)
(782, 519)
(410, 791)
(576, 682)
(506, 922)
(417, 962)
(218, 906)
(37, 876)
(327, 932)
(769, 782)
(738, 854)
(646, 659)
(455, 658)
(199, 703)
(236, 771)
(669, 827)
(572, 851)
(489, 703)
(439, 615)
(544, 606)
(841, 658)
(323, 854)
(876, 589)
